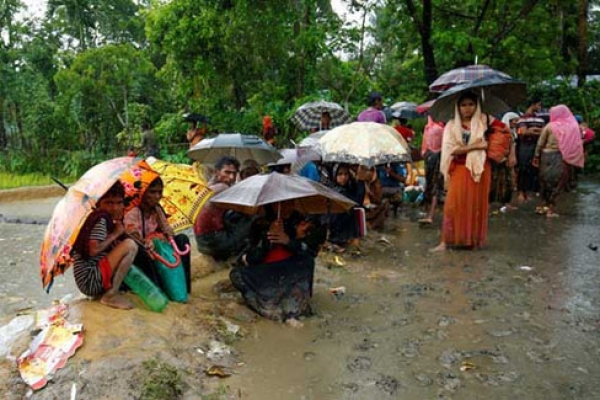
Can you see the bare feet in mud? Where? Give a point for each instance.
(440, 247)
(116, 301)
(294, 323)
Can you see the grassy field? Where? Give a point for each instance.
(11, 181)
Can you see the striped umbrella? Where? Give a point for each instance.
(464, 75)
(308, 115)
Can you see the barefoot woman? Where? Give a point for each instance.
(101, 258)
(467, 174)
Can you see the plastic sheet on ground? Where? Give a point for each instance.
(51, 348)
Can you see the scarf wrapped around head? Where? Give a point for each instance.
(453, 139)
(506, 118)
(565, 129)
(432, 136)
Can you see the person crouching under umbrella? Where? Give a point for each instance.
(102, 256)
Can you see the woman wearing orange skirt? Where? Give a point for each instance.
(467, 174)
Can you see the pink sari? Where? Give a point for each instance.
(565, 129)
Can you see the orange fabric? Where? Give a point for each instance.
(466, 207)
(499, 145)
(135, 181)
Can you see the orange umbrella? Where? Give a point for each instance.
(71, 212)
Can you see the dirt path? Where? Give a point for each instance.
(519, 319)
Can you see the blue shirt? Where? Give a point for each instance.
(311, 172)
(388, 181)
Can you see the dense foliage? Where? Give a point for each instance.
(78, 82)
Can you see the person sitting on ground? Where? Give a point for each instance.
(393, 178)
(275, 273)
(148, 221)
(373, 113)
(221, 233)
(249, 168)
(102, 255)
(377, 208)
(343, 228)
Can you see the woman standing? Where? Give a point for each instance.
(558, 150)
(434, 181)
(467, 175)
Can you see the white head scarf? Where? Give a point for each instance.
(475, 162)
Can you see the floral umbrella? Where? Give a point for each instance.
(364, 143)
(184, 193)
(70, 214)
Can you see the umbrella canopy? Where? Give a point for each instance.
(462, 75)
(496, 94)
(405, 109)
(241, 146)
(184, 192)
(288, 156)
(364, 143)
(424, 107)
(308, 115)
(304, 195)
(70, 214)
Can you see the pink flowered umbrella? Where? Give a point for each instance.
(71, 212)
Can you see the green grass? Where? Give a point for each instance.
(11, 181)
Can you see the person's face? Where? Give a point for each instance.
(379, 104)
(325, 119)
(302, 229)
(537, 107)
(153, 195)
(113, 205)
(513, 122)
(467, 108)
(227, 174)
(342, 177)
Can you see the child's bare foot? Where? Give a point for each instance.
(438, 248)
(294, 323)
(116, 301)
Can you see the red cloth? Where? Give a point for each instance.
(407, 133)
(106, 272)
(277, 253)
(210, 220)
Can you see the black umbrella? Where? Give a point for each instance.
(496, 94)
(193, 117)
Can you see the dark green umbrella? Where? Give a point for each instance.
(497, 95)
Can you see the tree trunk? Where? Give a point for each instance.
(582, 46)
(423, 26)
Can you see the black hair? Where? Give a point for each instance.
(533, 100)
(156, 181)
(227, 160)
(116, 190)
(468, 95)
(372, 98)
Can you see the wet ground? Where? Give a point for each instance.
(519, 319)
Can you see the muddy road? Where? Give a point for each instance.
(518, 319)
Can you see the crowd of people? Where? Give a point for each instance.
(471, 161)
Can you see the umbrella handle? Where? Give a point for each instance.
(176, 249)
(160, 258)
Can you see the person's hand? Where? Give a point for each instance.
(149, 245)
(512, 161)
(119, 228)
(536, 161)
(479, 144)
(276, 234)
(535, 130)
